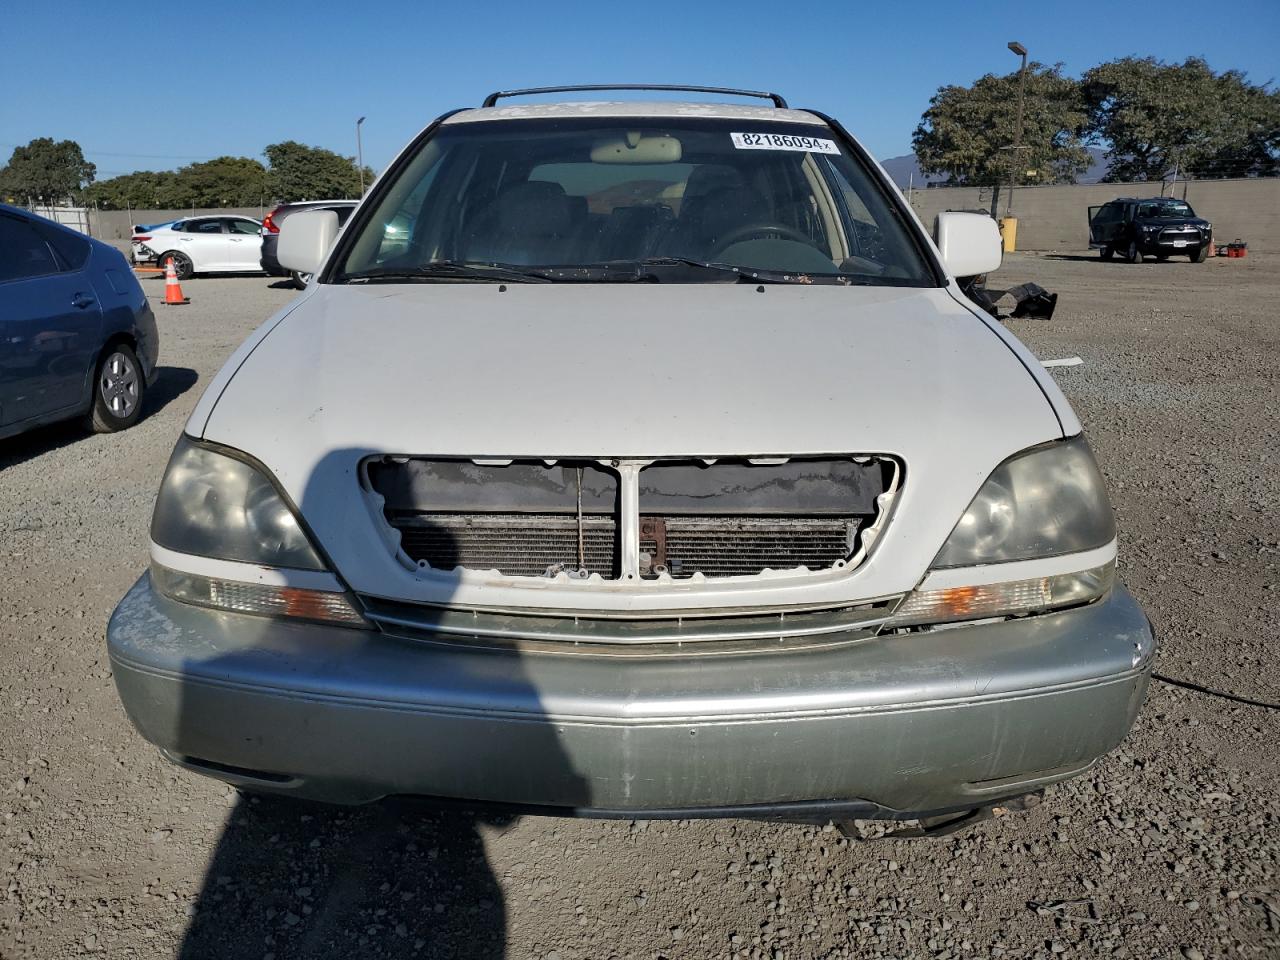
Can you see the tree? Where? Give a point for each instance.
(46, 170)
(1160, 117)
(968, 132)
(1256, 153)
(133, 190)
(299, 172)
(222, 182)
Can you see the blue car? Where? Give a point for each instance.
(77, 336)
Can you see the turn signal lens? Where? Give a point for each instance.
(262, 599)
(1011, 598)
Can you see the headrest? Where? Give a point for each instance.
(536, 207)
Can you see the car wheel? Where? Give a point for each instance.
(1200, 255)
(182, 264)
(1134, 253)
(1106, 253)
(118, 389)
(300, 280)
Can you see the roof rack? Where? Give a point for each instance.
(493, 98)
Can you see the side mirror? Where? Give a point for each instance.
(970, 243)
(305, 239)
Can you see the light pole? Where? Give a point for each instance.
(1021, 51)
(360, 155)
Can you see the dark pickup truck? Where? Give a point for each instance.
(1157, 226)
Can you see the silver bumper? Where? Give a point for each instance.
(913, 722)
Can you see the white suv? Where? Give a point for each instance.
(661, 469)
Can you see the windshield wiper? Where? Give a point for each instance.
(642, 270)
(447, 270)
(650, 270)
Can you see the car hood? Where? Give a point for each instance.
(625, 370)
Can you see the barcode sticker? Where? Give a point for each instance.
(783, 141)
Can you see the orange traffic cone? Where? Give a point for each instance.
(172, 289)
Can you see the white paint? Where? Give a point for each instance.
(464, 370)
(969, 243)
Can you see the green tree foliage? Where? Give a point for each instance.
(967, 132)
(223, 182)
(45, 169)
(134, 190)
(299, 172)
(1158, 117)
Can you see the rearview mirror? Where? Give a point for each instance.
(970, 243)
(305, 239)
(635, 148)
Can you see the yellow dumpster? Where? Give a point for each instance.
(1009, 232)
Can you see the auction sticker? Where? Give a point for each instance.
(783, 141)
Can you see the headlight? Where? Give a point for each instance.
(213, 505)
(1043, 502)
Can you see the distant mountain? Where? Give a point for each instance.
(904, 170)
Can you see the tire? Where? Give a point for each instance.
(1134, 253)
(1106, 253)
(300, 280)
(182, 264)
(118, 390)
(1200, 255)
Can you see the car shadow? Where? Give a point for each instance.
(404, 876)
(318, 882)
(282, 284)
(170, 383)
(1117, 260)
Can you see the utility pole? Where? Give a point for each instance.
(1021, 51)
(360, 156)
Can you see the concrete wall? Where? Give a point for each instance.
(1056, 217)
(117, 225)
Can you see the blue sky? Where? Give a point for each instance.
(153, 87)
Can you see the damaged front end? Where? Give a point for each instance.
(637, 521)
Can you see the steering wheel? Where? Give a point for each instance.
(751, 230)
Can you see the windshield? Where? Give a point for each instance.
(615, 198)
(1164, 210)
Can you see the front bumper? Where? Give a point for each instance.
(1188, 243)
(900, 724)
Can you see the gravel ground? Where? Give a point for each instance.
(1169, 848)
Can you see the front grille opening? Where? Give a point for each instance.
(709, 518)
(518, 517)
(736, 518)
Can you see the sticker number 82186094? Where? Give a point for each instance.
(783, 141)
